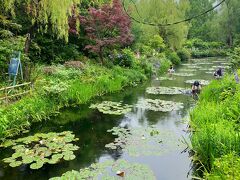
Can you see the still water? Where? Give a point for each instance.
(91, 126)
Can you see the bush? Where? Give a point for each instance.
(157, 43)
(235, 58)
(125, 58)
(184, 54)
(164, 65)
(173, 57)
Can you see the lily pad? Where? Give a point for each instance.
(42, 148)
(165, 78)
(202, 82)
(159, 105)
(188, 70)
(166, 90)
(114, 108)
(107, 170)
(203, 63)
(183, 74)
(148, 141)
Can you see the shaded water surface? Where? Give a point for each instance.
(91, 126)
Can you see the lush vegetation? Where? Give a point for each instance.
(215, 124)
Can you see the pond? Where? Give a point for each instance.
(157, 137)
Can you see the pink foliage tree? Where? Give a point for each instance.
(107, 27)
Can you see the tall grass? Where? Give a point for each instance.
(215, 121)
(64, 87)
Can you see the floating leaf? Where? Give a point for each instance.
(42, 148)
(109, 107)
(37, 165)
(202, 82)
(166, 90)
(15, 163)
(159, 105)
(129, 170)
(165, 78)
(183, 74)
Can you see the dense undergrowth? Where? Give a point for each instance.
(216, 136)
(58, 86)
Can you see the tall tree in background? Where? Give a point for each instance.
(163, 12)
(200, 27)
(107, 27)
(43, 15)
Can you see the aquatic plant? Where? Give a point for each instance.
(183, 74)
(209, 72)
(165, 78)
(159, 105)
(142, 141)
(203, 63)
(188, 70)
(166, 90)
(42, 148)
(202, 82)
(120, 169)
(115, 108)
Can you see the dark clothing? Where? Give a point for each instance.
(218, 72)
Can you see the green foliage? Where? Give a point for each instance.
(173, 57)
(109, 107)
(45, 13)
(164, 65)
(226, 167)
(184, 54)
(215, 121)
(56, 90)
(104, 169)
(157, 43)
(7, 47)
(126, 58)
(42, 148)
(235, 58)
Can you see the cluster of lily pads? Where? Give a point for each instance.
(148, 141)
(202, 82)
(183, 74)
(188, 70)
(166, 90)
(159, 105)
(42, 148)
(115, 108)
(165, 78)
(111, 170)
(203, 63)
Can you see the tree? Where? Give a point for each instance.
(163, 12)
(43, 15)
(107, 27)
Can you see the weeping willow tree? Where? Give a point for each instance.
(163, 12)
(44, 15)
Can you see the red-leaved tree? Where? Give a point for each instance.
(107, 27)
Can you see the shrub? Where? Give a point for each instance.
(235, 58)
(157, 43)
(173, 57)
(125, 58)
(184, 54)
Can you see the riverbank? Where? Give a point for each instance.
(59, 86)
(216, 133)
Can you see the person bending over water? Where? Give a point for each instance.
(196, 87)
(171, 70)
(218, 73)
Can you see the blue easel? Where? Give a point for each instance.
(14, 67)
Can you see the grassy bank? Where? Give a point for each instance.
(216, 135)
(57, 87)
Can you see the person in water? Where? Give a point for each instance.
(218, 73)
(171, 70)
(196, 87)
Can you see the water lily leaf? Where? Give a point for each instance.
(202, 82)
(27, 159)
(15, 163)
(9, 160)
(166, 90)
(37, 165)
(165, 78)
(114, 108)
(69, 157)
(7, 143)
(159, 105)
(183, 74)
